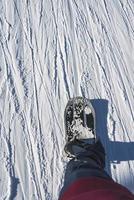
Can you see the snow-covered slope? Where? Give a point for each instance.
(51, 50)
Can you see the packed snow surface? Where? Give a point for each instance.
(51, 50)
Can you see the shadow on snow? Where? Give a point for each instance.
(116, 151)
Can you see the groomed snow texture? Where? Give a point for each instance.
(51, 50)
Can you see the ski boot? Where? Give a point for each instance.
(80, 130)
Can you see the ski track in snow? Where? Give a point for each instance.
(50, 51)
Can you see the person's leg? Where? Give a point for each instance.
(85, 176)
(88, 161)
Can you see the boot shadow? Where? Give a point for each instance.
(116, 151)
